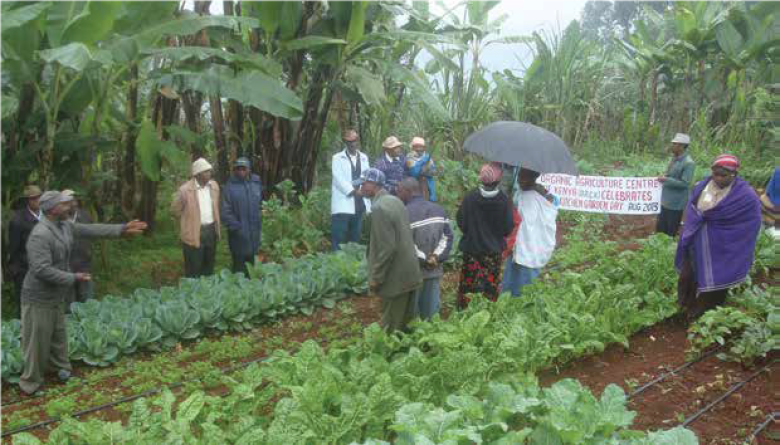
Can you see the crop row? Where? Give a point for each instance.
(441, 382)
(102, 331)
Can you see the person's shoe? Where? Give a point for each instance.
(64, 375)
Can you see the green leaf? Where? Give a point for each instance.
(9, 105)
(357, 23)
(290, 19)
(370, 86)
(190, 408)
(309, 42)
(192, 24)
(612, 409)
(75, 56)
(729, 39)
(200, 53)
(151, 151)
(93, 24)
(249, 88)
(18, 17)
(419, 88)
(674, 436)
(270, 13)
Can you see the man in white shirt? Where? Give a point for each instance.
(535, 242)
(196, 206)
(347, 204)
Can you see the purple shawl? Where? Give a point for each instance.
(721, 240)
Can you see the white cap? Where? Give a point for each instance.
(681, 138)
(199, 166)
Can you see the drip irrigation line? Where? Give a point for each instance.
(93, 409)
(769, 419)
(734, 388)
(665, 375)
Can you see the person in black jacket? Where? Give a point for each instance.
(433, 237)
(485, 218)
(80, 254)
(19, 228)
(242, 202)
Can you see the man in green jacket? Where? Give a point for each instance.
(393, 269)
(676, 186)
(49, 283)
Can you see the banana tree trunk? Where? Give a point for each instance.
(654, 95)
(127, 178)
(164, 114)
(218, 123)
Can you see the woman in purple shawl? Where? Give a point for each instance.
(715, 251)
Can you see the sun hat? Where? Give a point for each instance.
(417, 140)
(371, 175)
(31, 191)
(681, 138)
(729, 162)
(199, 166)
(391, 142)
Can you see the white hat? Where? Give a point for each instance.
(199, 166)
(681, 138)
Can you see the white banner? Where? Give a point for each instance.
(602, 194)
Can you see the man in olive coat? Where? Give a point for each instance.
(49, 282)
(394, 271)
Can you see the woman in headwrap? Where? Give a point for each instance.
(715, 251)
(770, 201)
(485, 218)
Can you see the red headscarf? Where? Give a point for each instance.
(729, 162)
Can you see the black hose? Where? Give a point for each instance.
(123, 400)
(769, 419)
(723, 396)
(663, 376)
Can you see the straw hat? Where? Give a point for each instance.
(391, 142)
(31, 191)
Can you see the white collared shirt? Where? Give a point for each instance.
(390, 158)
(204, 202)
(35, 215)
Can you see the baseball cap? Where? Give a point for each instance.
(371, 175)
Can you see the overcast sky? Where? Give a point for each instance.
(524, 17)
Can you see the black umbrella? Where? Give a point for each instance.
(520, 143)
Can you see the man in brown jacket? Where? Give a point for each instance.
(393, 269)
(196, 206)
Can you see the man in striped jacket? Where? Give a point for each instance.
(433, 238)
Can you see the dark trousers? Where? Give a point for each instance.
(690, 299)
(668, 221)
(345, 228)
(240, 261)
(199, 261)
(18, 283)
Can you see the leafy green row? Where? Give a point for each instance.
(384, 386)
(357, 393)
(505, 413)
(102, 331)
(749, 325)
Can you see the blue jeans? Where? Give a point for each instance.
(428, 298)
(517, 276)
(345, 228)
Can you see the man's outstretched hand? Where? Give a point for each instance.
(134, 227)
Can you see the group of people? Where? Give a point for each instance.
(411, 235)
(508, 226)
(349, 205)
